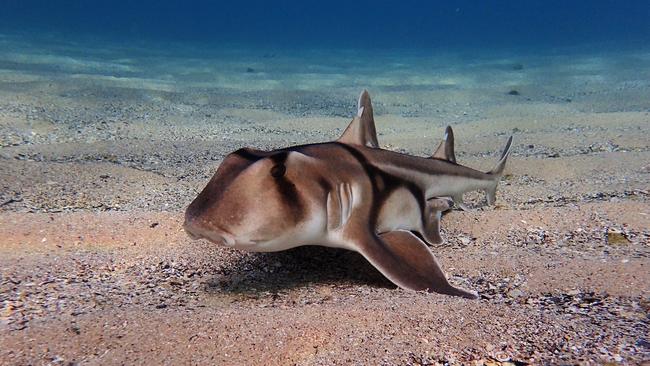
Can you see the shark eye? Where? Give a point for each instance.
(278, 171)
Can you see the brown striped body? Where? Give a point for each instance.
(346, 194)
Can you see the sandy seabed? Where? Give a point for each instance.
(103, 146)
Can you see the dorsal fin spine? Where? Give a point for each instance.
(361, 130)
(445, 150)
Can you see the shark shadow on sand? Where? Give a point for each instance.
(295, 268)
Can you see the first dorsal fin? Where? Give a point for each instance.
(445, 150)
(361, 130)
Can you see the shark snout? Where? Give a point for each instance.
(191, 234)
(197, 231)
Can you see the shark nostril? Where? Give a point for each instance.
(218, 236)
(227, 240)
(192, 235)
(191, 230)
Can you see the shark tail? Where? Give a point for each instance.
(497, 172)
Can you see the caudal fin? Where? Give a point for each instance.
(497, 171)
(501, 164)
(445, 150)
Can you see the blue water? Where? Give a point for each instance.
(346, 24)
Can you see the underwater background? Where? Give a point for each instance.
(353, 24)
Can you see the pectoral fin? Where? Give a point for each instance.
(407, 262)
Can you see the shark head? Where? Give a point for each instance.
(255, 201)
